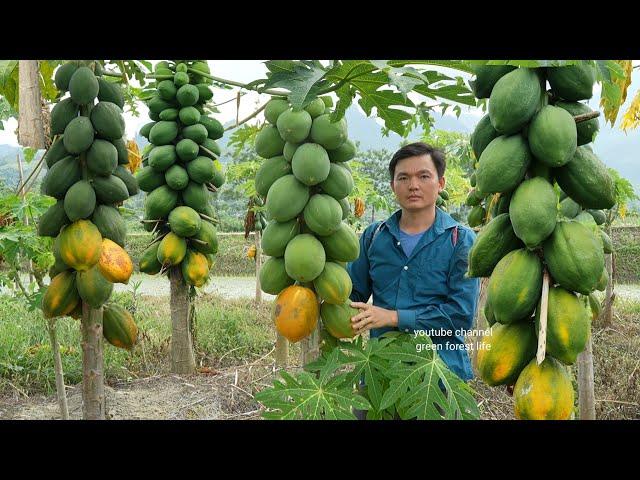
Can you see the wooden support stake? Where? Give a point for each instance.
(544, 308)
(586, 389)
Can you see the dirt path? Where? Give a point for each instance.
(227, 287)
(245, 287)
(210, 395)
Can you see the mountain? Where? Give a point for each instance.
(9, 171)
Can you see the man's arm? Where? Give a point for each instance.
(359, 270)
(459, 309)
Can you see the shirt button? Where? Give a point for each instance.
(406, 267)
(398, 243)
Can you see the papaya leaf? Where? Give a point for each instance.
(301, 79)
(386, 102)
(10, 92)
(47, 86)
(461, 65)
(7, 68)
(610, 100)
(532, 63)
(366, 364)
(347, 70)
(457, 93)
(6, 112)
(242, 137)
(275, 66)
(403, 78)
(403, 83)
(345, 98)
(615, 83)
(631, 118)
(603, 71)
(29, 154)
(312, 397)
(422, 386)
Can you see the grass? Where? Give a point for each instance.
(626, 246)
(228, 332)
(616, 352)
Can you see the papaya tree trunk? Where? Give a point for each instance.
(606, 315)
(282, 351)
(57, 366)
(182, 355)
(257, 237)
(480, 322)
(93, 401)
(311, 345)
(30, 125)
(586, 394)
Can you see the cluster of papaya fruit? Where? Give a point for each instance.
(260, 219)
(180, 168)
(87, 175)
(441, 202)
(306, 181)
(531, 153)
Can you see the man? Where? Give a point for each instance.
(414, 263)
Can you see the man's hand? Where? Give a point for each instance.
(371, 316)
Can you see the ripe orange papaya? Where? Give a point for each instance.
(115, 264)
(295, 312)
(544, 392)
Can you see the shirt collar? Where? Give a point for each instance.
(443, 221)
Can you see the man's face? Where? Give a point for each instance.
(416, 183)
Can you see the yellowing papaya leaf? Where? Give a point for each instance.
(135, 159)
(631, 118)
(614, 91)
(622, 211)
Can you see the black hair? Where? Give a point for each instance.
(416, 149)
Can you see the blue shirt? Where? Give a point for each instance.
(428, 288)
(408, 241)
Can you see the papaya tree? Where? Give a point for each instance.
(181, 169)
(87, 177)
(556, 128)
